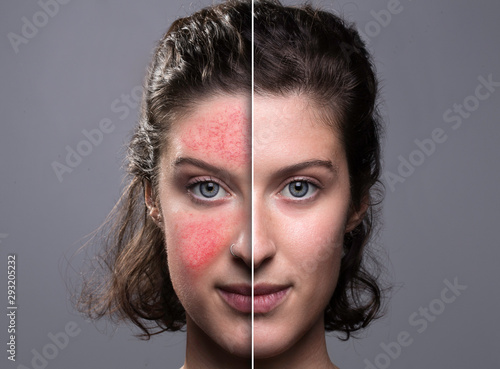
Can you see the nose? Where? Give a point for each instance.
(264, 247)
(241, 249)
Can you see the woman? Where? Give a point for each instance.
(179, 248)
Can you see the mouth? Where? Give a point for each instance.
(237, 296)
(266, 297)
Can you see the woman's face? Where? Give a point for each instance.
(204, 191)
(300, 201)
(301, 204)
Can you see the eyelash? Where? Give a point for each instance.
(309, 181)
(198, 181)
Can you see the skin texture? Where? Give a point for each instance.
(208, 236)
(208, 146)
(217, 135)
(297, 241)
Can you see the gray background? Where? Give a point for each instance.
(439, 224)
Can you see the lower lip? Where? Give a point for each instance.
(265, 303)
(262, 303)
(242, 303)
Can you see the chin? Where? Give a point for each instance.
(265, 349)
(270, 343)
(237, 340)
(239, 347)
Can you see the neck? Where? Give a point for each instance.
(204, 352)
(309, 352)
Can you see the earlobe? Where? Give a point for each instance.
(151, 203)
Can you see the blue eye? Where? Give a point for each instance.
(299, 189)
(208, 190)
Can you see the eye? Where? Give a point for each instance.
(207, 190)
(299, 189)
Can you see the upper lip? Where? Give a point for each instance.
(258, 290)
(267, 288)
(240, 289)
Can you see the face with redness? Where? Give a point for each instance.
(204, 196)
(301, 201)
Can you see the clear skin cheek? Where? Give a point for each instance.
(313, 236)
(223, 134)
(198, 241)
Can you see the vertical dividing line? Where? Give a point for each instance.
(252, 188)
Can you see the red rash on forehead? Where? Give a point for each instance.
(224, 132)
(200, 240)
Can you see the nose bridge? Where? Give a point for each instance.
(244, 238)
(263, 242)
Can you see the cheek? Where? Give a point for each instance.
(197, 242)
(314, 243)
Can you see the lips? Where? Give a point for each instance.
(266, 297)
(237, 296)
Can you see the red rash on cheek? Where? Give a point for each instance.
(224, 133)
(199, 241)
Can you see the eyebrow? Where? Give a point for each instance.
(201, 164)
(281, 172)
(307, 164)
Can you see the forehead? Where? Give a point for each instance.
(218, 129)
(291, 126)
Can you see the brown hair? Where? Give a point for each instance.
(297, 50)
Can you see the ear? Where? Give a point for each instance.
(356, 216)
(152, 203)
